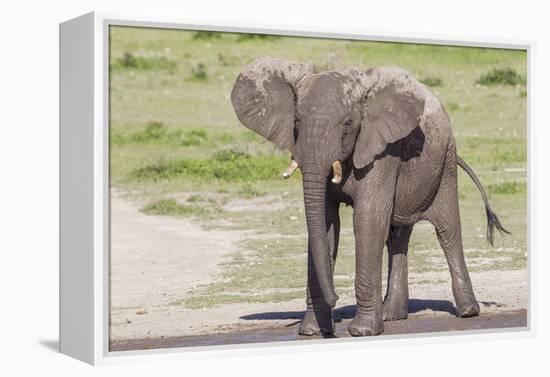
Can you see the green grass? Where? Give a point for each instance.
(492, 153)
(157, 132)
(174, 134)
(225, 165)
(508, 188)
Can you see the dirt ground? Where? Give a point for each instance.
(512, 320)
(155, 260)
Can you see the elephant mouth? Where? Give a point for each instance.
(336, 171)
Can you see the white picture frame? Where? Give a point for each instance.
(84, 191)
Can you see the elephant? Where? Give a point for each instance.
(380, 141)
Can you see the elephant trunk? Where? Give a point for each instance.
(315, 186)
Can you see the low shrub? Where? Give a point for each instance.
(131, 61)
(198, 73)
(248, 191)
(432, 81)
(206, 35)
(187, 137)
(169, 207)
(244, 37)
(501, 76)
(153, 131)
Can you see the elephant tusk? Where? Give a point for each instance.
(290, 170)
(337, 172)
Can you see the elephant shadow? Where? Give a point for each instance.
(348, 312)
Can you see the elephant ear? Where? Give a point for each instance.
(264, 98)
(393, 108)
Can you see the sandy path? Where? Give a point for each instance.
(155, 260)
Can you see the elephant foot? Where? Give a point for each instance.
(468, 310)
(395, 310)
(366, 325)
(317, 322)
(466, 304)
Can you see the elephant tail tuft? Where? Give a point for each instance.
(492, 219)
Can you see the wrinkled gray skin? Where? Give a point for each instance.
(399, 160)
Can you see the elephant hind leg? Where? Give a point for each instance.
(396, 302)
(445, 215)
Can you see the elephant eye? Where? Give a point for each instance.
(346, 129)
(296, 122)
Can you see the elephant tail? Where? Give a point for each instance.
(492, 219)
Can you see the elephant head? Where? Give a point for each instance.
(324, 119)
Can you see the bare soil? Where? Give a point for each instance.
(155, 260)
(516, 320)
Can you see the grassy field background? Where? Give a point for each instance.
(177, 148)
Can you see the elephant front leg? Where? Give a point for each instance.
(371, 225)
(318, 319)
